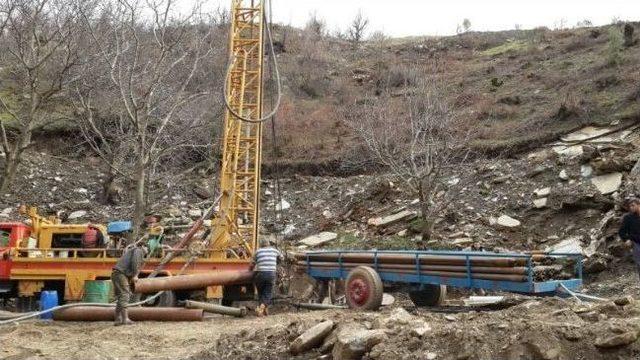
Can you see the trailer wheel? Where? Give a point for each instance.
(429, 295)
(363, 289)
(166, 299)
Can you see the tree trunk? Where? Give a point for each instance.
(427, 222)
(13, 159)
(9, 173)
(139, 198)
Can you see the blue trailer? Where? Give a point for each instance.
(365, 280)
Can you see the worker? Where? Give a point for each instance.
(264, 265)
(124, 275)
(155, 233)
(630, 229)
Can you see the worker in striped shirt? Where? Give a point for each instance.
(264, 265)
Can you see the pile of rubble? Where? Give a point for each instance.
(549, 329)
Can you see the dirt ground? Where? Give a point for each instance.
(148, 340)
(531, 328)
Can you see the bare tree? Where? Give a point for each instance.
(418, 138)
(358, 28)
(466, 25)
(150, 107)
(316, 25)
(39, 50)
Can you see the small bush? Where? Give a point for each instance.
(614, 48)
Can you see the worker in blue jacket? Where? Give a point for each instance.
(630, 229)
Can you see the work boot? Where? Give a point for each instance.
(125, 318)
(265, 310)
(118, 319)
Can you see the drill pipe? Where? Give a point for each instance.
(452, 268)
(424, 259)
(89, 313)
(195, 281)
(216, 309)
(482, 276)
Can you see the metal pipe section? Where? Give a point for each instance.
(191, 282)
(314, 306)
(386, 258)
(452, 268)
(481, 276)
(90, 313)
(216, 309)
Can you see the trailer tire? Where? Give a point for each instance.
(363, 289)
(429, 295)
(166, 299)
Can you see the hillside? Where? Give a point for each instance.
(515, 89)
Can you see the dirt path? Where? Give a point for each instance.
(149, 340)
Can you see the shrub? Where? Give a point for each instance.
(614, 48)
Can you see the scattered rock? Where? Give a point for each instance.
(388, 299)
(618, 340)
(77, 215)
(608, 183)
(318, 239)
(544, 192)
(622, 301)
(572, 245)
(194, 213)
(540, 203)
(586, 170)
(507, 221)
(353, 343)
(311, 338)
(420, 328)
(392, 219)
(462, 241)
(595, 264)
(563, 175)
(283, 205)
(202, 193)
(568, 151)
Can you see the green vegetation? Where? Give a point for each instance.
(348, 241)
(509, 46)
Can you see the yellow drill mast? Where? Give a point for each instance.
(236, 223)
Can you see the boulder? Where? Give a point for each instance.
(606, 184)
(624, 339)
(353, 343)
(571, 245)
(399, 316)
(311, 338)
(318, 239)
(507, 221)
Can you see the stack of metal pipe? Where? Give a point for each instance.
(485, 267)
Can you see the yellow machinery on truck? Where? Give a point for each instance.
(42, 266)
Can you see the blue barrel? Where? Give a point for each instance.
(48, 300)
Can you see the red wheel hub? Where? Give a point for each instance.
(358, 291)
